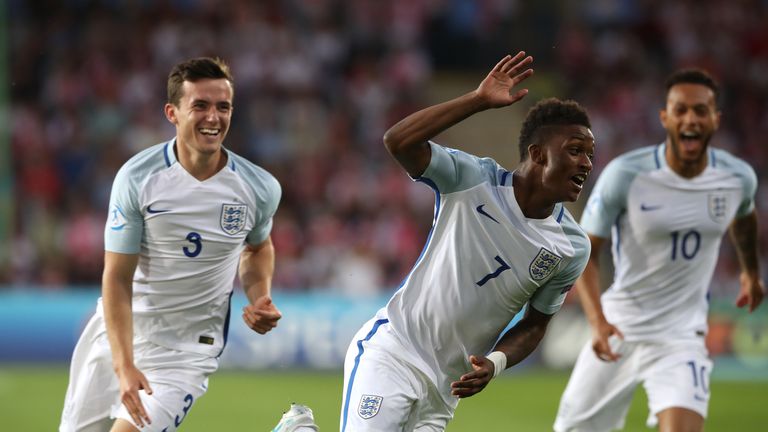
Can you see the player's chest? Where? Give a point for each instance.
(211, 212)
(656, 208)
(498, 240)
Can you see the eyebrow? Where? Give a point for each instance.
(581, 136)
(194, 101)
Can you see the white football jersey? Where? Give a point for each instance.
(666, 232)
(483, 261)
(189, 235)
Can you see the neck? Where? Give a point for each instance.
(200, 165)
(683, 168)
(530, 193)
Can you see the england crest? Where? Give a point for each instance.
(543, 265)
(718, 207)
(369, 406)
(233, 218)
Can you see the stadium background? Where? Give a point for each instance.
(82, 84)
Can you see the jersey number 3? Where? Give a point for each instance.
(197, 241)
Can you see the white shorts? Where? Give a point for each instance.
(598, 395)
(385, 393)
(92, 402)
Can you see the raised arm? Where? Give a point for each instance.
(117, 297)
(407, 140)
(743, 233)
(257, 265)
(588, 287)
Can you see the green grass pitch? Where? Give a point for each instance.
(31, 399)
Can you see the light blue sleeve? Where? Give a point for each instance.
(125, 223)
(744, 172)
(608, 198)
(453, 170)
(549, 298)
(268, 192)
(749, 188)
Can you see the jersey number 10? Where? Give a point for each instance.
(687, 243)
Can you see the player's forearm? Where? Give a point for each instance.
(257, 265)
(407, 140)
(520, 341)
(116, 298)
(425, 124)
(744, 237)
(588, 288)
(118, 319)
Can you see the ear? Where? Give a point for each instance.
(537, 154)
(170, 113)
(663, 117)
(718, 115)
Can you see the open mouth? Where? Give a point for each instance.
(691, 141)
(579, 180)
(210, 131)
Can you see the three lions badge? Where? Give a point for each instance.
(233, 218)
(543, 265)
(369, 406)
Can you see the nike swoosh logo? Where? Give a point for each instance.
(482, 212)
(644, 207)
(150, 210)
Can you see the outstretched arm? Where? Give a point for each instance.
(117, 297)
(588, 287)
(407, 140)
(744, 237)
(516, 344)
(257, 264)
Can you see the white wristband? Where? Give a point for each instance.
(499, 360)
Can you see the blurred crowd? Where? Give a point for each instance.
(317, 82)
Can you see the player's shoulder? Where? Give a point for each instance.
(622, 171)
(637, 160)
(146, 162)
(257, 178)
(723, 159)
(573, 231)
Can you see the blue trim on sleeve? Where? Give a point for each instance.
(360, 350)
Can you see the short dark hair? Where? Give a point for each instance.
(193, 70)
(549, 112)
(693, 76)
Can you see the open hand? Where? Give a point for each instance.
(131, 381)
(496, 89)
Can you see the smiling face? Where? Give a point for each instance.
(568, 154)
(690, 118)
(202, 116)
